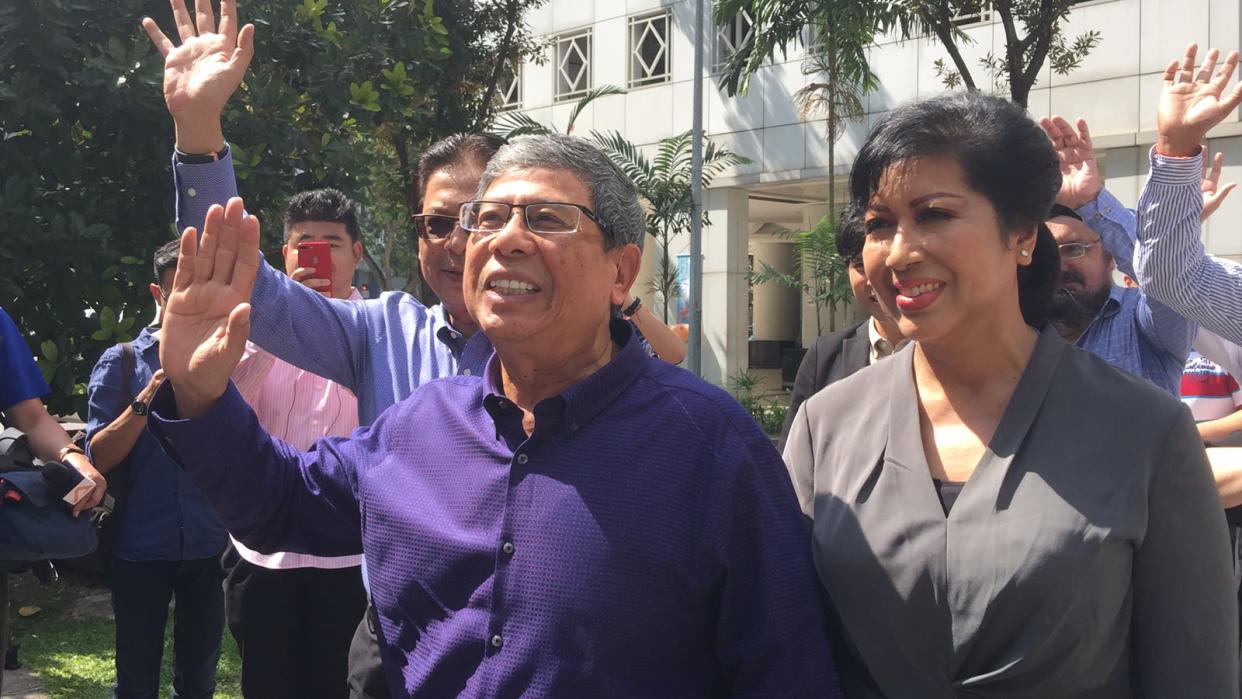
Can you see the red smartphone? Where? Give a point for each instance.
(317, 255)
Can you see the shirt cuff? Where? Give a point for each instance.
(1168, 169)
(198, 437)
(1102, 207)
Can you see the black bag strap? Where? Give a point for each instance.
(127, 370)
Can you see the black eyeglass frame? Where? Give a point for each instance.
(509, 215)
(1086, 248)
(422, 228)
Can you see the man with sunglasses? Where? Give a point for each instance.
(587, 520)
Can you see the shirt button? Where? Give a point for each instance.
(497, 641)
(508, 548)
(465, 372)
(522, 459)
(192, 192)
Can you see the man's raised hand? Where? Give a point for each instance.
(203, 71)
(207, 316)
(1191, 102)
(1081, 181)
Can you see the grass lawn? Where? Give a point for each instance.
(72, 647)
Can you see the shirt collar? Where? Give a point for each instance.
(145, 339)
(445, 332)
(879, 348)
(1116, 294)
(582, 401)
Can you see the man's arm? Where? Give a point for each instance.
(270, 496)
(48, 439)
(772, 628)
(111, 436)
(1170, 262)
(201, 74)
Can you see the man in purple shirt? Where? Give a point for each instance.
(586, 520)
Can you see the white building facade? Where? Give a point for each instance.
(646, 48)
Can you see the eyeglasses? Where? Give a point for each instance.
(486, 218)
(1073, 251)
(434, 226)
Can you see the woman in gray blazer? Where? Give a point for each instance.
(997, 513)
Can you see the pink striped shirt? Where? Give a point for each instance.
(298, 407)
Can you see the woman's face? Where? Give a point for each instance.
(934, 253)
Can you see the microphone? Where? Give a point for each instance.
(65, 482)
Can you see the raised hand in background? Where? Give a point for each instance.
(203, 71)
(1081, 181)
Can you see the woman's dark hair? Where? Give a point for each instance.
(1005, 156)
(460, 148)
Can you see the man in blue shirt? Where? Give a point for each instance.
(587, 521)
(1095, 232)
(168, 540)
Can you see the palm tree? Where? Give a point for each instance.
(662, 181)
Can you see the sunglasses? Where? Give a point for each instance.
(434, 226)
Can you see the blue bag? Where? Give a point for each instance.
(35, 525)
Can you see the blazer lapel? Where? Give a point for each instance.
(855, 353)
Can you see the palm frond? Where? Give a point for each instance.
(628, 157)
(589, 97)
(510, 125)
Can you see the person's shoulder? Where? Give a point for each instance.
(1085, 379)
(826, 343)
(707, 410)
(431, 397)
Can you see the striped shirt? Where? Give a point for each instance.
(1170, 261)
(298, 407)
(1209, 391)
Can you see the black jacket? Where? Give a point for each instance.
(833, 357)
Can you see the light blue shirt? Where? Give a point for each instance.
(381, 349)
(1133, 331)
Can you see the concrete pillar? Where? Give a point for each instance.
(777, 307)
(725, 284)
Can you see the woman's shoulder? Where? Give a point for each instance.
(1096, 387)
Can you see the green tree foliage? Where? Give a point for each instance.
(341, 93)
(1033, 32)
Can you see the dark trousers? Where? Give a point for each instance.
(141, 592)
(292, 627)
(366, 669)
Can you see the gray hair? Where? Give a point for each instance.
(614, 198)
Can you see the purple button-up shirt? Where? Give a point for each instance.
(643, 541)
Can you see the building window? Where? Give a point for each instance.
(730, 37)
(649, 62)
(573, 65)
(509, 89)
(981, 15)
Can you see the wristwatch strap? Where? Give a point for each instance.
(201, 158)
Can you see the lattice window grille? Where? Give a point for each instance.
(732, 36)
(509, 90)
(649, 59)
(573, 65)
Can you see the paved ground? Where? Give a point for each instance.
(22, 684)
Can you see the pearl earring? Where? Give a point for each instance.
(1026, 253)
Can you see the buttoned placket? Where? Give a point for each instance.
(508, 423)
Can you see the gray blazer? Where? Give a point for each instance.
(1086, 556)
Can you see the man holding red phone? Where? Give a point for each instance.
(323, 243)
